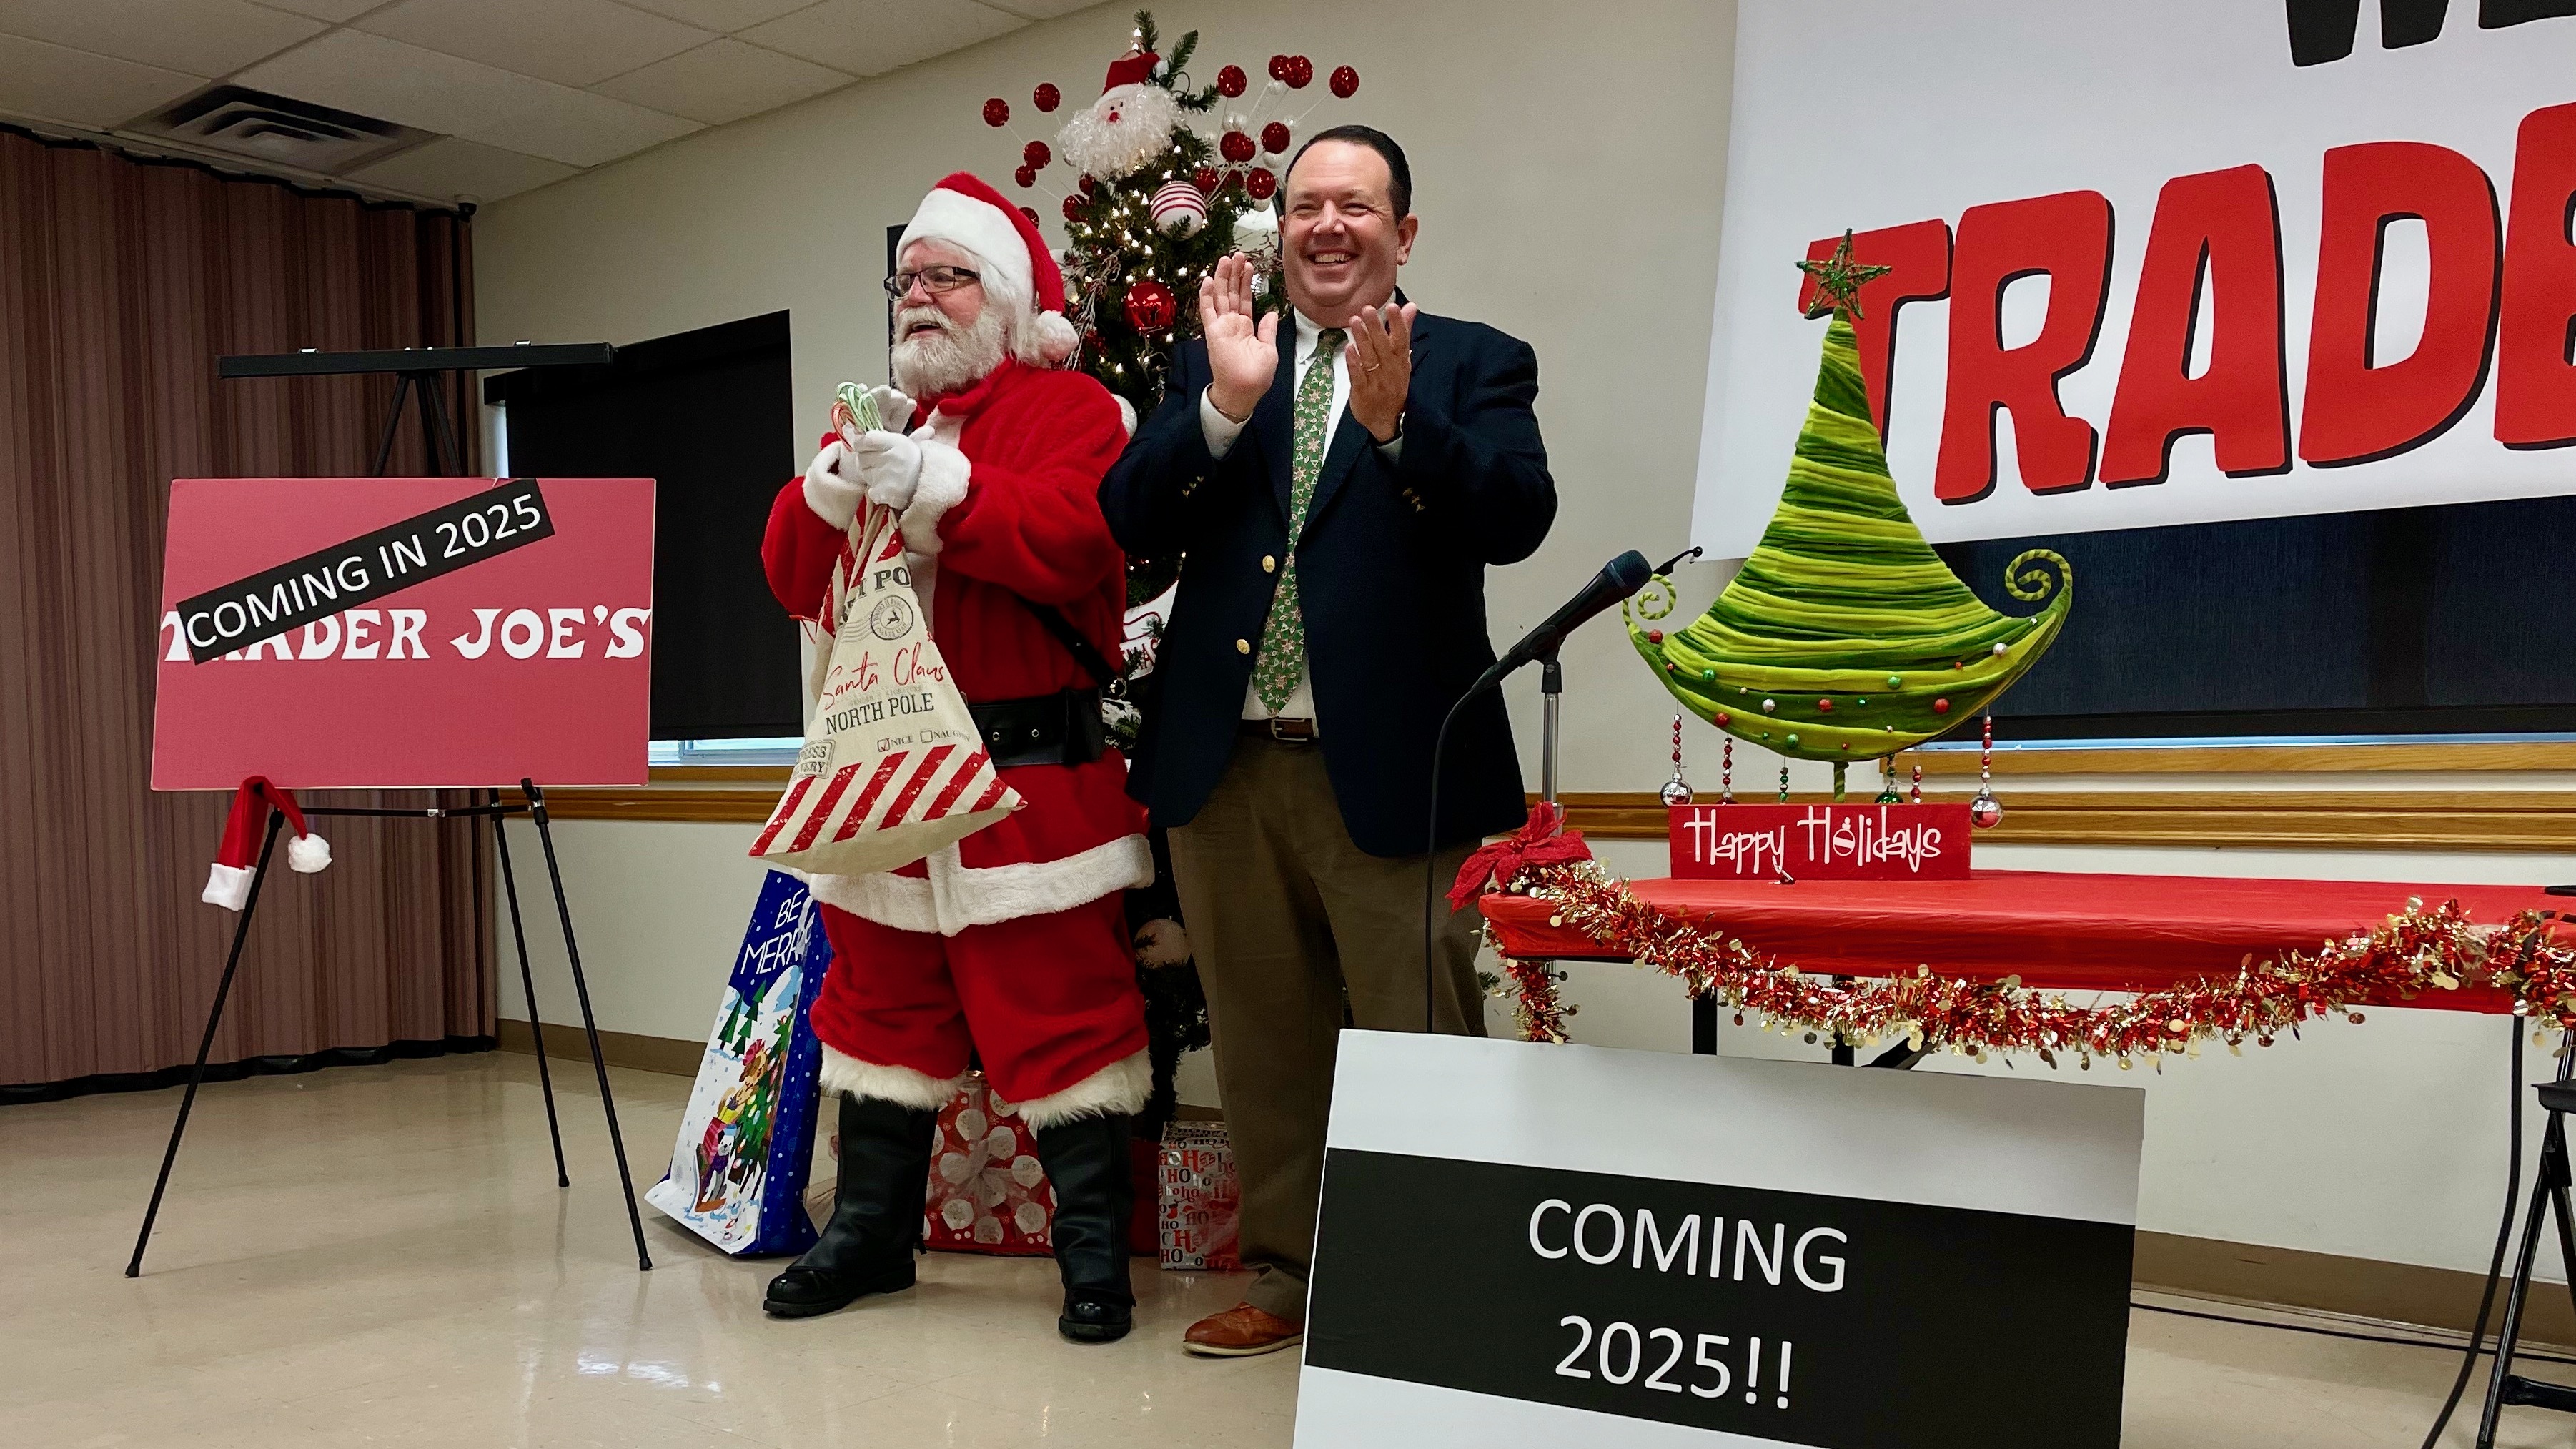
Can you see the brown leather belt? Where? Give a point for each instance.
(1294, 731)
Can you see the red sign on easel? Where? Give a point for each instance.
(1821, 842)
(404, 632)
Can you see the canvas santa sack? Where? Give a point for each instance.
(893, 767)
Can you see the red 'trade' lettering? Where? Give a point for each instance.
(1917, 256)
(2068, 237)
(2535, 404)
(2358, 410)
(2229, 222)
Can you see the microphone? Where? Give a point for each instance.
(1619, 578)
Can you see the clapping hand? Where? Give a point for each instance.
(1381, 367)
(1242, 353)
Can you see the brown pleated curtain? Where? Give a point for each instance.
(121, 282)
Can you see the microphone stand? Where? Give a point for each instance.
(1551, 693)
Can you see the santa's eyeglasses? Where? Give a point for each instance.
(938, 281)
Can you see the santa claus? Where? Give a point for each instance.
(1012, 944)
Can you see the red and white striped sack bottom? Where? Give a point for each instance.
(893, 768)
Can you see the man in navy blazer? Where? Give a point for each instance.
(1339, 484)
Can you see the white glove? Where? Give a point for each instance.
(888, 465)
(831, 487)
(894, 410)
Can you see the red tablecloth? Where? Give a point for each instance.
(2058, 931)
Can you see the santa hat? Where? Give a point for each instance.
(237, 864)
(1130, 70)
(1018, 270)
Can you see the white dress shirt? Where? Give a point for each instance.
(1221, 431)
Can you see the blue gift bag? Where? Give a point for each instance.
(738, 1171)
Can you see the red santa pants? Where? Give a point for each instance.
(1048, 1002)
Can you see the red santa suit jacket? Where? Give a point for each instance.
(1007, 504)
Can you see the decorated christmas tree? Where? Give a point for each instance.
(1844, 636)
(1162, 177)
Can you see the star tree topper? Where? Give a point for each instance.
(1839, 280)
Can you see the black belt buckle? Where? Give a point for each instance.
(1063, 728)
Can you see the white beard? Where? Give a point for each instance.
(950, 359)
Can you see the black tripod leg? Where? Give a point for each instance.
(2551, 1188)
(589, 1024)
(528, 983)
(443, 442)
(206, 1044)
(393, 421)
(1704, 1025)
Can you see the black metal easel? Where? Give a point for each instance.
(2548, 1201)
(419, 369)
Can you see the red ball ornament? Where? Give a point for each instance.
(1345, 82)
(1825, 705)
(1259, 184)
(1724, 719)
(1985, 812)
(1089, 186)
(997, 112)
(1274, 137)
(1031, 213)
(1300, 72)
(1235, 147)
(1230, 82)
(1150, 306)
(1035, 155)
(1206, 180)
(1046, 97)
(1279, 69)
(1025, 177)
(1073, 208)
(1940, 706)
(1654, 636)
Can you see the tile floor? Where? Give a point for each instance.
(379, 1255)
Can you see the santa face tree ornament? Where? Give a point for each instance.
(1155, 187)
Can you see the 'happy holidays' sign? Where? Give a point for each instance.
(1820, 842)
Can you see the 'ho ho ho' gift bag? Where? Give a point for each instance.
(893, 768)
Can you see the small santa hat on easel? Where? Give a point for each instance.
(1019, 271)
(237, 863)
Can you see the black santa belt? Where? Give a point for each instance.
(1062, 728)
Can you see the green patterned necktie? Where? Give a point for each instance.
(1282, 660)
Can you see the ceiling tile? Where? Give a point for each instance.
(335, 11)
(727, 16)
(379, 77)
(570, 42)
(1042, 9)
(871, 37)
(456, 170)
(49, 82)
(199, 37)
(723, 80)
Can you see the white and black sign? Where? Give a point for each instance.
(388, 560)
(1542, 1245)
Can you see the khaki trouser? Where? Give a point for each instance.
(1297, 932)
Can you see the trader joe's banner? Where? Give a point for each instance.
(2150, 264)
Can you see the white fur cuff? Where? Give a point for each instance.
(944, 472)
(834, 499)
(228, 886)
(900, 1085)
(1116, 1090)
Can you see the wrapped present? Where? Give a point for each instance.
(988, 1190)
(1198, 1199)
(988, 1193)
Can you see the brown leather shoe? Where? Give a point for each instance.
(1241, 1332)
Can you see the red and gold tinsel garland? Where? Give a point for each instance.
(2420, 949)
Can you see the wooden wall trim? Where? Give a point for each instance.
(2486, 820)
(2539, 822)
(2252, 759)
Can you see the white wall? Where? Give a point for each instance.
(1568, 165)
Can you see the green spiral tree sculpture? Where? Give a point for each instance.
(1844, 636)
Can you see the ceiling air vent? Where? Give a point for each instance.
(258, 126)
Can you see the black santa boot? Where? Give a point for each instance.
(876, 1212)
(1095, 1195)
